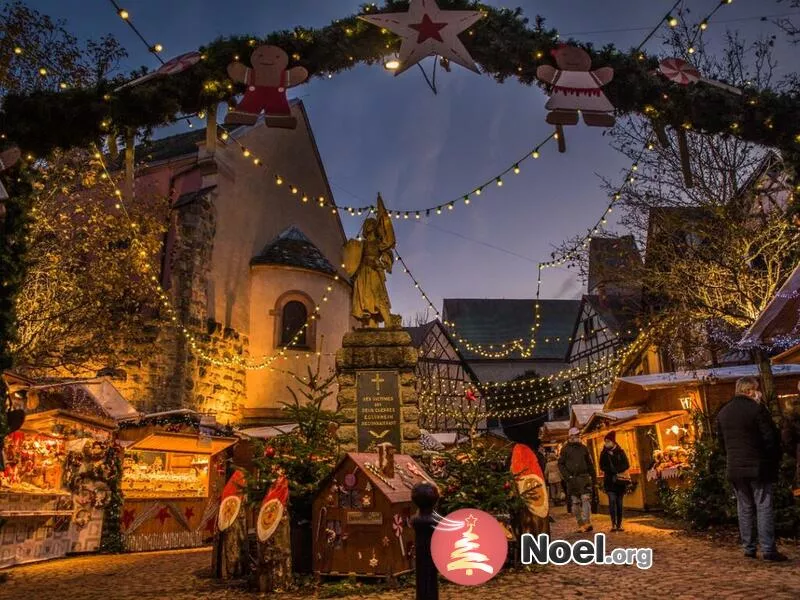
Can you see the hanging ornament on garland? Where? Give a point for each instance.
(426, 30)
(681, 72)
(267, 80)
(171, 67)
(576, 87)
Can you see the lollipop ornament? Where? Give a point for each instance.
(681, 72)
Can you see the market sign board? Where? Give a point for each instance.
(377, 409)
(364, 518)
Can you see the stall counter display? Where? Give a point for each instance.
(671, 459)
(148, 474)
(171, 485)
(41, 515)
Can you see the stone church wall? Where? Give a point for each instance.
(172, 375)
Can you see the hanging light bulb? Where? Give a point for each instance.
(672, 21)
(391, 64)
(123, 14)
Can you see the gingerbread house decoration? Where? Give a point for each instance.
(362, 515)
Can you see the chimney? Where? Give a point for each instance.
(386, 459)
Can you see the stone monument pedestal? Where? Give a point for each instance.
(377, 391)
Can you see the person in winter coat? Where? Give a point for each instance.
(749, 439)
(790, 434)
(553, 476)
(577, 470)
(613, 462)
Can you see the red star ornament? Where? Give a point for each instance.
(127, 517)
(163, 515)
(188, 513)
(426, 30)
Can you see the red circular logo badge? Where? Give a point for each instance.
(469, 547)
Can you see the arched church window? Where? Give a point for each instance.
(293, 318)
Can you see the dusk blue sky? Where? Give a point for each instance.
(381, 133)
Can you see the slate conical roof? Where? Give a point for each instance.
(292, 248)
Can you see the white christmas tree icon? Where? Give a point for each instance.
(464, 557)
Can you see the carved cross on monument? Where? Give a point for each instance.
(378, 380)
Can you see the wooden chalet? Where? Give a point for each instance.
(553, 433)
(652, 418)
(443, 378)
(362, 515)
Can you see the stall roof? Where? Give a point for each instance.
(32, 418)
(611, 416)
(100, 390)
(447, 438)
(553, 431)
(637, 420)
(632, 391)
(780, 317)
(182, 442)
(269, 431)
(579, 414)
(110, 400)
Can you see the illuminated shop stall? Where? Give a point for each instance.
(59, 467)
(652, 418)
(174, 468)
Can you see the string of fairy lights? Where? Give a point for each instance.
(465, 199)
(525, 348)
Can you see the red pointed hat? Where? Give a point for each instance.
(235, 485)
(524, 461)
(279, 491)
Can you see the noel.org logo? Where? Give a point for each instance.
(469, 547)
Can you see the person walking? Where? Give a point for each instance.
(614, 464)
(749, 440)
(553, 476)
(577, 470)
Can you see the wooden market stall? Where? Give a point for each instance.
(59, 468)
(553, 434)
(362, 513)
(651, 415)
(174, 468)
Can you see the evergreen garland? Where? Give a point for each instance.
(501, 43)
(111, 535)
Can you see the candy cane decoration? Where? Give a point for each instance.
(681, 72)
(397, 525)
(171, 67)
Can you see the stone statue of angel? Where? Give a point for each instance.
(368, 260)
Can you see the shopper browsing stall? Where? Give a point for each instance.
(614, 465)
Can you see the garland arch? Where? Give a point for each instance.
(502, 43)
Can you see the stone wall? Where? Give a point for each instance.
(171, 375)
(384, 349)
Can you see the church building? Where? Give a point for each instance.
(252, 265)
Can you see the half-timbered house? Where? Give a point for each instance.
(447, 386)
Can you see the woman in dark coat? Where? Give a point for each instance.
(613, 461)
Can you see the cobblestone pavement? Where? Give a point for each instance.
(683, 567)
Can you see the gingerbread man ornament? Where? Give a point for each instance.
(267, 81)
(576, 88)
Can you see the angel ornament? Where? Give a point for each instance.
(367, 260)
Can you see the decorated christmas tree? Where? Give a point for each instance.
(464, 555)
